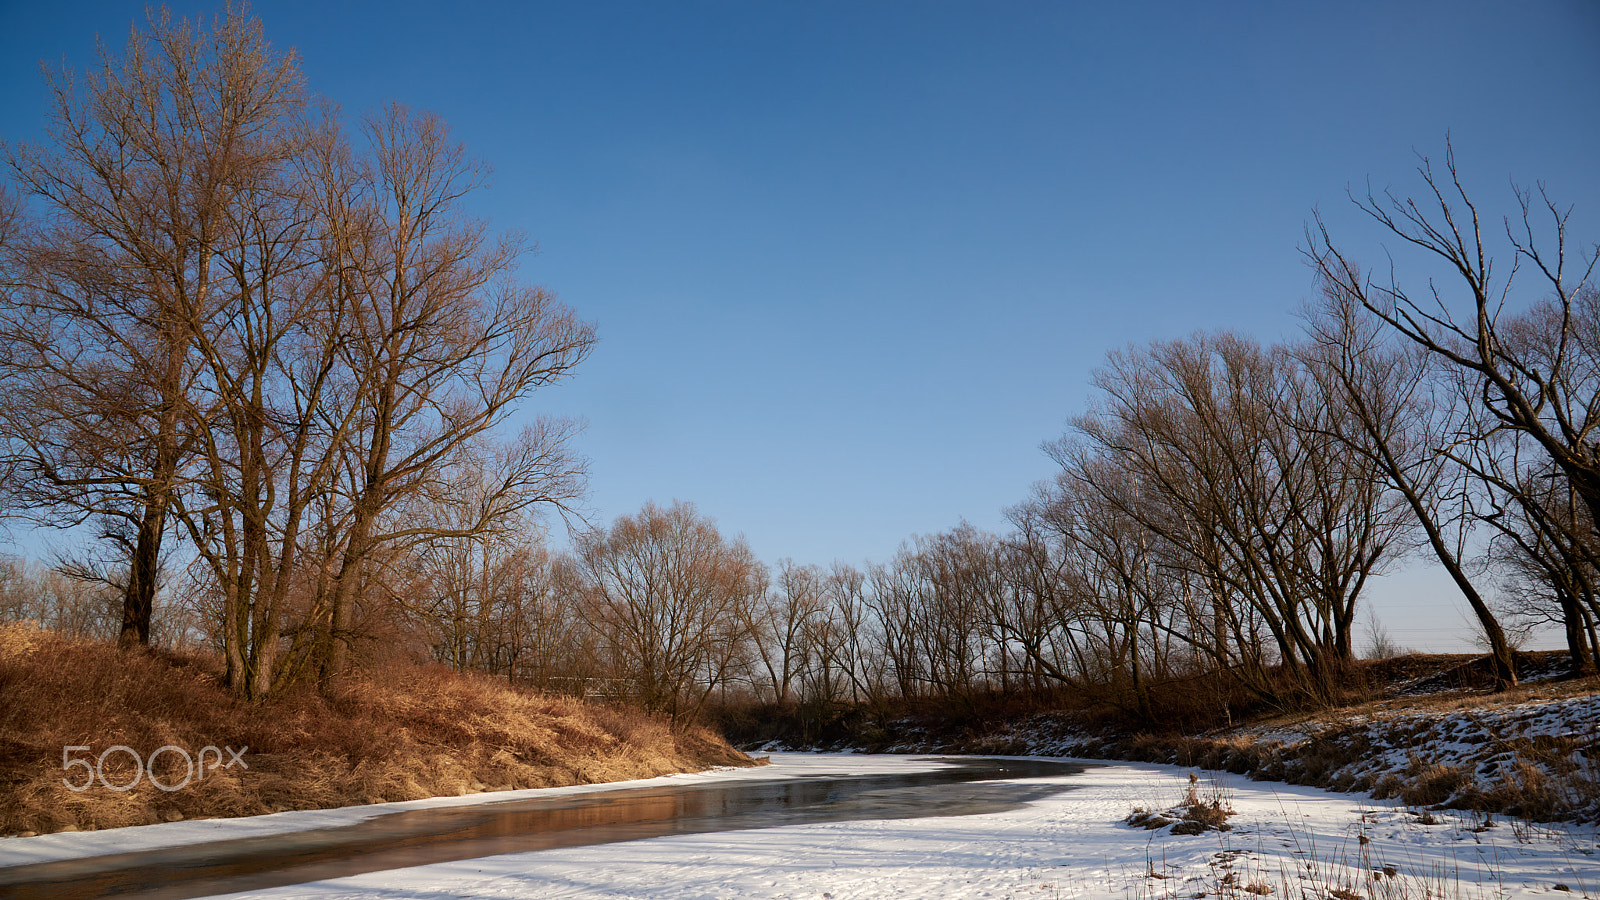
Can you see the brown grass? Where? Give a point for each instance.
(405, 734)
(1431, 784)
(1194, 814)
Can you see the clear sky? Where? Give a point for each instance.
(851, 263)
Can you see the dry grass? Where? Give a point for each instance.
(1364, 869)
(1432, 783)
(1195, 813)
(403, 735)
(1539, 777)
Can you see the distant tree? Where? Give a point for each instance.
(850, 635)
(1218, 447)
(668, 598)
(1380, 643)
(895, 596)
(1103, 584)
(785, 626)
(945, 573)
(481, 598)
(60, 602)
(1547, 555)
(1028, 611)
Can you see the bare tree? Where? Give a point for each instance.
(482, 597)
(785, 626)
(222, 314)
(130, 203)
(668, 597)
(1106, 584)
(1217, 447)
(1549, 563)
(1392, 407)
(1546, 389)
(60, 602)
(445, 344)
(1034, 609)
(850, 633)
(929, 602)
(265, 404)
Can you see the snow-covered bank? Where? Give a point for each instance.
(1295, 840)
(1533, 753)
(1538, 759)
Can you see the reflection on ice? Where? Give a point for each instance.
(420, 837)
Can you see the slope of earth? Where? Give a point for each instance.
(94, 738)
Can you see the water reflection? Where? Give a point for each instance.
(421, 837)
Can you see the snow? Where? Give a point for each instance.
(1556, 737)
(1299, 841)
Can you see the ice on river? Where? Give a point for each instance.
(1295, 841)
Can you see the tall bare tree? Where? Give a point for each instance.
(1546, 388)
(1391, 406)
(130, 201)
(1217, 446)
(219, 312)
(444, 344)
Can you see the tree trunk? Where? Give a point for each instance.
(138, 601)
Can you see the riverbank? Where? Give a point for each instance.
(92, 738)
(1283, 841)
(1434, 739)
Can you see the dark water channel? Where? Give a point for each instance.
(420, 837)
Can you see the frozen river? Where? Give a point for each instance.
(832, 827)
(418, 837)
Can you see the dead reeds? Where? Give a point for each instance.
(406, 733)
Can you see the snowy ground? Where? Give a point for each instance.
(1295, 841)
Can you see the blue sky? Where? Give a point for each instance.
(852, 262)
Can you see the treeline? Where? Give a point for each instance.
(57, 601)
(1219, 510)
